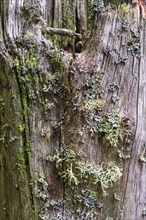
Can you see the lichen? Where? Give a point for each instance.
(109, 218)
(142, 158)
(92, 102)
(133, 45)
(76, 172)
(82, 179)
(110, 126)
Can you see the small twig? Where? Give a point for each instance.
(61, 31)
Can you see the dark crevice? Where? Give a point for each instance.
(2, 22)
(78, 43)
(53, 13)
(77, 22)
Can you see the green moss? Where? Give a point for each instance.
(33, 214)
(21, 163)
(124, 9)
(56, 61)
(115, 3)
(31, 60)
(26, 69)
(68, 21)
(21, 128)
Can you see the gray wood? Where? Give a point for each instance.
(30, 113)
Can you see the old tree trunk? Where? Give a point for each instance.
(72, 111)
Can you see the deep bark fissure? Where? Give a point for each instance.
(26, 134)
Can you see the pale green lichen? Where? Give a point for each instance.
(105, 175)
(75, 171)
(110, 127)
(142, 158)
(82, 179)
(109, 218)
(90, 105)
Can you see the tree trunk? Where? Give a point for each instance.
(72, 111)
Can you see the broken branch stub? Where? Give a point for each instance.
(61, 31)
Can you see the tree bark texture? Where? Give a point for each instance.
(73, 126)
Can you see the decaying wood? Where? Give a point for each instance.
(42, 102)
(61, 32)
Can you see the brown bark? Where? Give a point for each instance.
(54, 102)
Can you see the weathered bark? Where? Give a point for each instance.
(56, 103)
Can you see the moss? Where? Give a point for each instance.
(56, 61)
(124, 9)
(26, 69)
(33, 214)
(67, 20)
(21, 128)
(23, 89)
(115, 3)
(21, 163)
